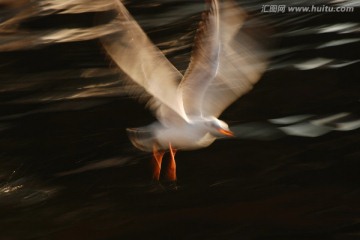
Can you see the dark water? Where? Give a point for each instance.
(68, 171)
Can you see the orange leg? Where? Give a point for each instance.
(171, 170)
(156, 162)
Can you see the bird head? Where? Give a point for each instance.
(218, 128)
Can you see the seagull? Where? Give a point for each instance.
(224, 65)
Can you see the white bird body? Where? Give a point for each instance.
(187, 137)
(224, 65)
(198, 133)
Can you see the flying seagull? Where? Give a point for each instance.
(224, 65)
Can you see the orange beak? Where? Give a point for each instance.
(226, 132)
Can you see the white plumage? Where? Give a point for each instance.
(224, 65)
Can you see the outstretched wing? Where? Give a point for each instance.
(204, 61)
(241, 62)
(144, 63)
(225, 63)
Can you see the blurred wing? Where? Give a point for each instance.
(241, 62)
(144, 63)
(204, 61)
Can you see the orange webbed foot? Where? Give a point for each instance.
(156, 162)
(171, 169)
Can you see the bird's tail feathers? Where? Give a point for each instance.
(141, 138)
